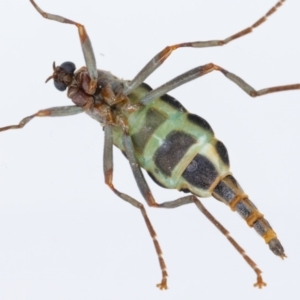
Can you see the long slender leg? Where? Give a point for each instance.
(61, 111)
(86, 45)
(143, 186)
(202, 70)
(159, 58)
(193, 199)
(138, 175)
(108, 172)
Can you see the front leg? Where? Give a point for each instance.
(60, 111)
(85, 42)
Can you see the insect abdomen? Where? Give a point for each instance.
(229, 191)
(177, 148)
(179, 151)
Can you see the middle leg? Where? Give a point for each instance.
(203, 70)
(160, 57)
(108, 173)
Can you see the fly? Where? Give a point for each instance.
(156, 133)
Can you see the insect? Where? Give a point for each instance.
(155, 132)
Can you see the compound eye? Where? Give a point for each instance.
(68, 67)
(60, 85)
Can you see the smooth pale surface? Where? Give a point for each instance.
(64, 235)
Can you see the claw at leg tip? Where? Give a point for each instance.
(162, 285)
(260, 284)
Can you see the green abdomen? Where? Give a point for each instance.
(176, 148)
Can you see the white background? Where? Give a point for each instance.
(64, 234)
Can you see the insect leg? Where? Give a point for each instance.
(202, 70)
(108, 172)
(159, 58)
(138, 175)
(193, 199)
(61, 111)
(86, 45)
(143, 186)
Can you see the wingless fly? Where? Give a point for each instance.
(155, 132)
